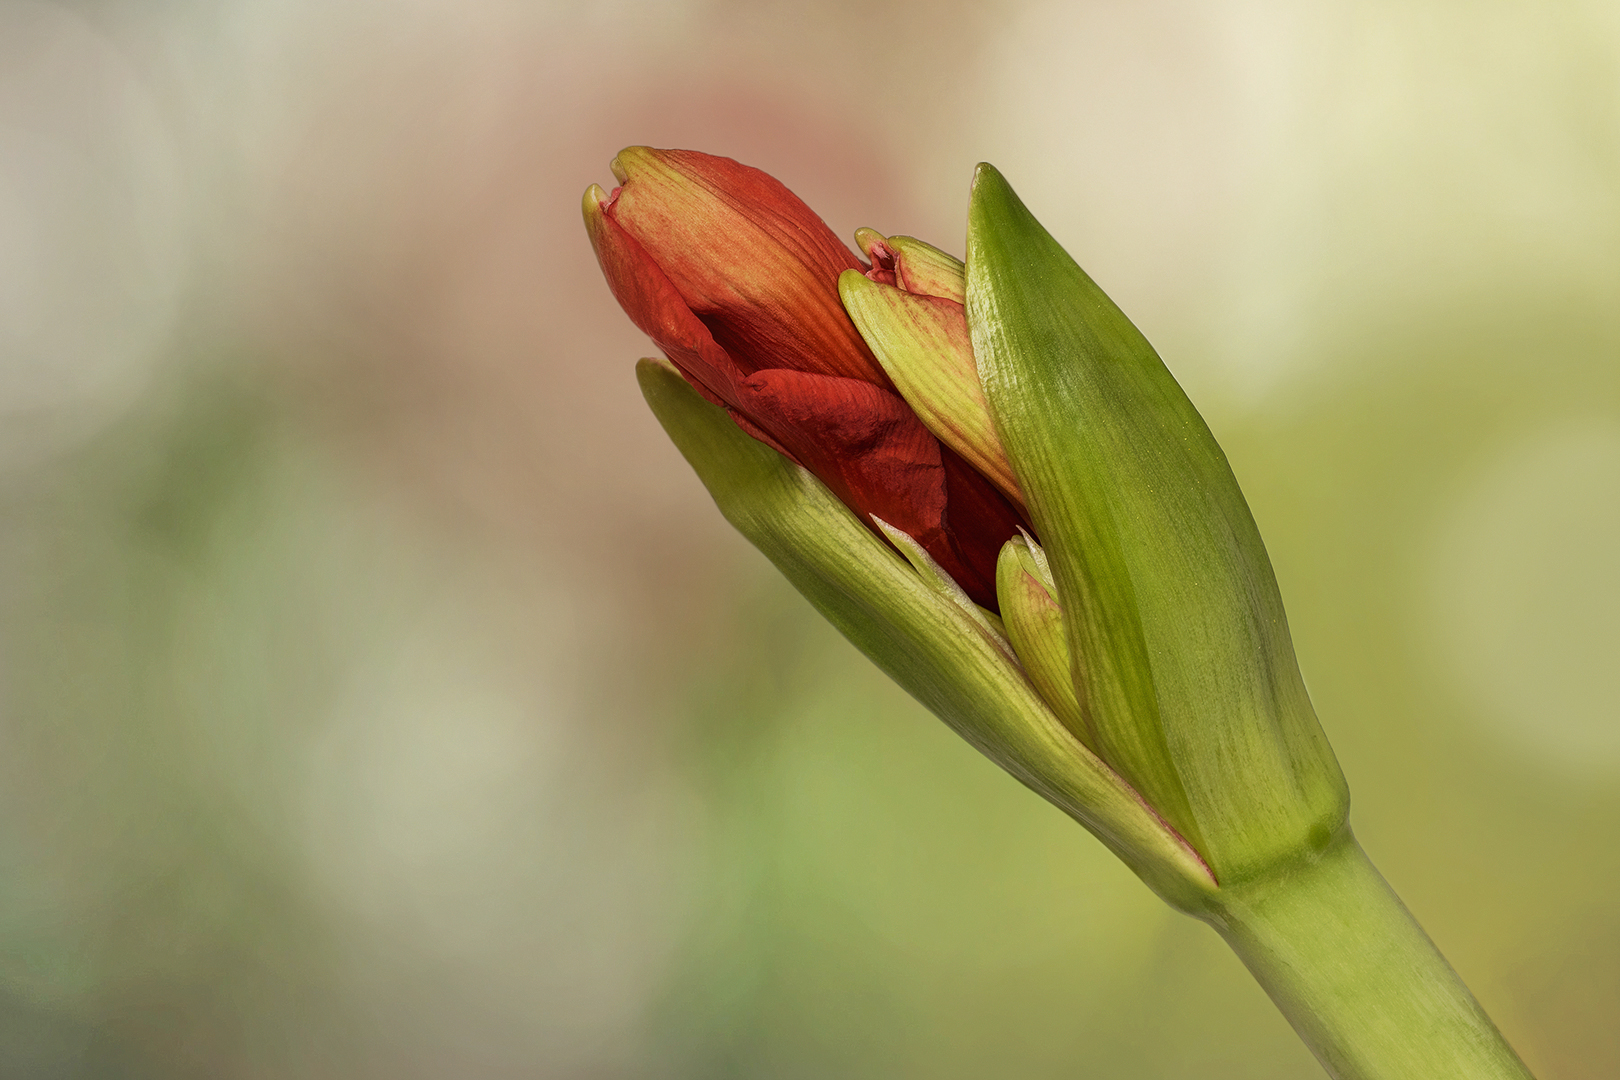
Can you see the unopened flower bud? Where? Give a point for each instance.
(1034, 622)
(1139, 674)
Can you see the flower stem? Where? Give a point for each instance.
(1357, 977)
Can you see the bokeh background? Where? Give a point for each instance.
(380, 695)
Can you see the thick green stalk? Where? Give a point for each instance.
(1356, 975)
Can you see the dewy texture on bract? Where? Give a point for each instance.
(736, 279)
(909, 624)
(1182, 660)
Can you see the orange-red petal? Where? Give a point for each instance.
(752, 261)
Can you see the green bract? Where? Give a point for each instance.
(1181, 657)
(1034, 621)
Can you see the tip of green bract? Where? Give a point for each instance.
(867, 239)
(651, 367)
(994, 209)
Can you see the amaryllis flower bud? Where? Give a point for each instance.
(736, 279)
(1138, 672)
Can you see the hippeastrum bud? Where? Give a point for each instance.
(1140, 674)
(1183, 665)
(730, 273)
(736, 279)
(1034, 623)
(909, 309)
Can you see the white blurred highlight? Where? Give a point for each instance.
(92, 222)
(1244, 177)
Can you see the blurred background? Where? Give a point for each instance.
(381, 696)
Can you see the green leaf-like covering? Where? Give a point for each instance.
(1174, 618)
(914, 632)
(1035, 629)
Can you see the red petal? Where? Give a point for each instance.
(860, 440)
(979, 520)
(761, 434)
(654, 305)
(753, 262)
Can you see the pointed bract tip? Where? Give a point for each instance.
(984, 172)
(659, 364)
(1042, 569)
(1028, 557)
(990, 190)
